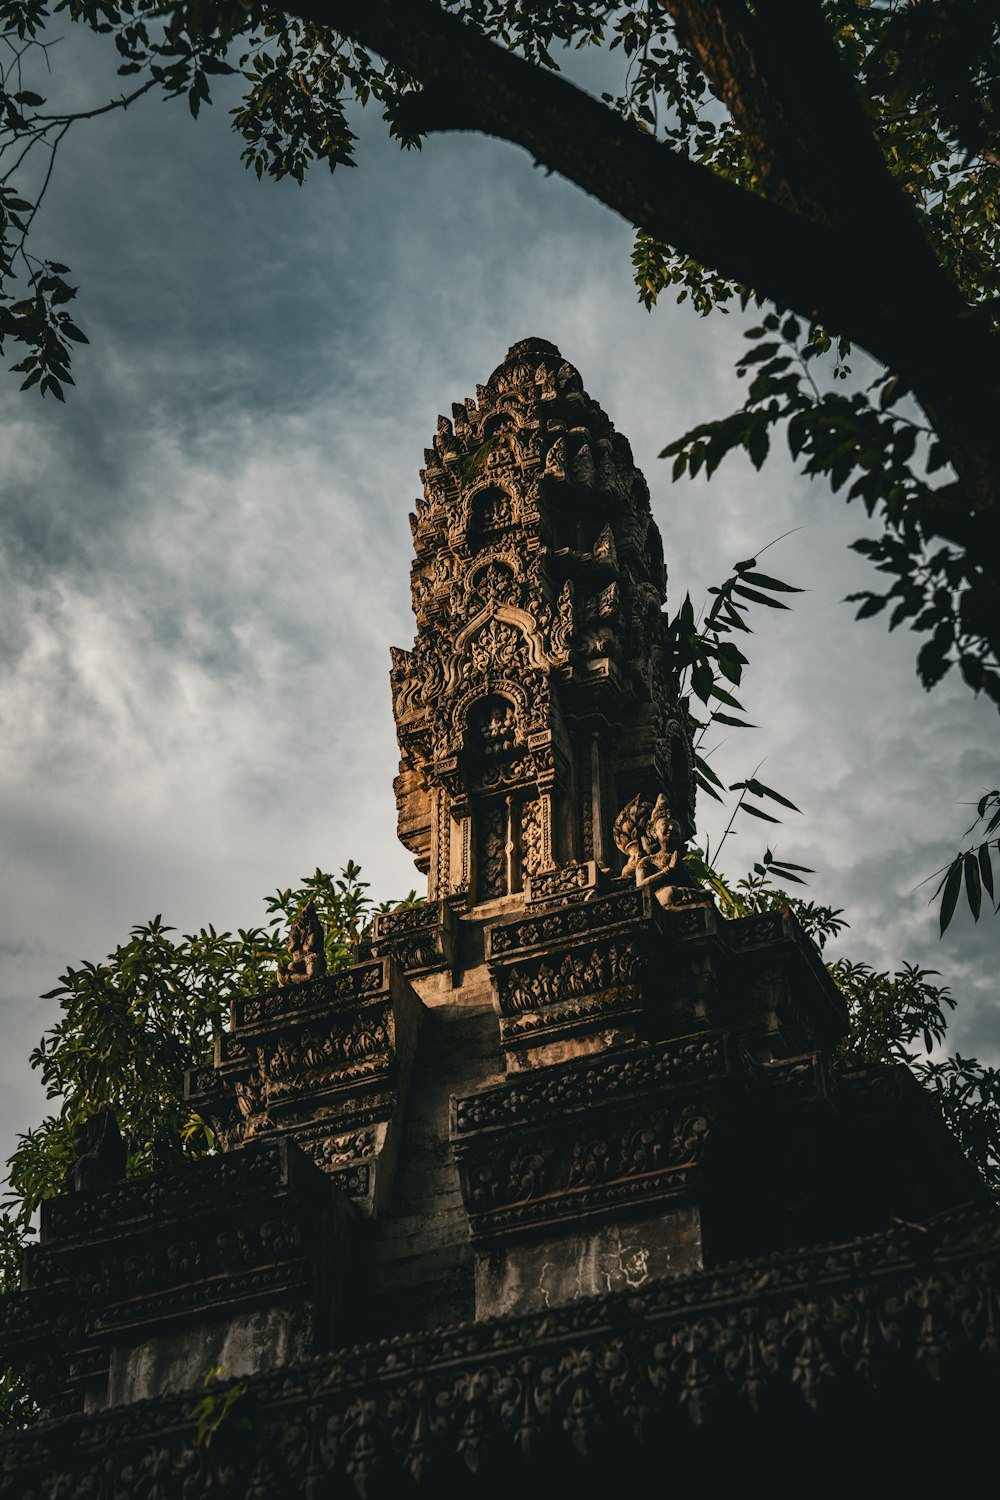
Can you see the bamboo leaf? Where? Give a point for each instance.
(707, 772)
(707, 786)
(760, 790)
(973, 885)
(725, 697)
(758, 598)
(952, 886)
(756, 812)
(764, 582)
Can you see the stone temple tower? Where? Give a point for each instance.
(537, 699)
(565, 1177)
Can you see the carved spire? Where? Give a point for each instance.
(537, 699)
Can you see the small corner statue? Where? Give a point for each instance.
(652, 842)
(100, 1153)
(306, 955)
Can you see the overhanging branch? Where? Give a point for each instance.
(828, 272)
(471, 83)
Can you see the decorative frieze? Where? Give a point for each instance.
(420, 938)
(782, 1349)
(590, 1082)
(606, 916)
(553, 885)
(599, 1134)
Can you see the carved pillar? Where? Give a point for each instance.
(546, 806)
(460, 841)
(597, 801)
(439, 876)
(511, 847)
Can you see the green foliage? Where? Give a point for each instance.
(293, 111)
(889, 1013)
(967, 1092)
(343, 906)
(17, 1409)
(127, 1031)
(893, 1018)
(16, 1406)
(38, 320)
(902, 1018)
(933, 107)
(130, 1027)
(706, 662)
(863, 441)
(215, 1407)
(972, 867)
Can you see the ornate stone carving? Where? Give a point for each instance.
(562, 882)
(420, 938)
(537, 587)
(650, 839)
(317, 1060)
(306, 956)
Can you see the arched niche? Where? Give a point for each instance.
(491, 728)
(491, 513)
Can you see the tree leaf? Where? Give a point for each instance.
(764, 582)
(760, 790)
(758, 598)
(756, 812)
(973, 885)
(952, 886)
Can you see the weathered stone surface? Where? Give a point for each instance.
(424, 1273)
(551, 1272)
(244, 1344)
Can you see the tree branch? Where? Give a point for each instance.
(471, 83)
(882, 290)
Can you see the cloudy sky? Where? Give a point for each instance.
(205, 553)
